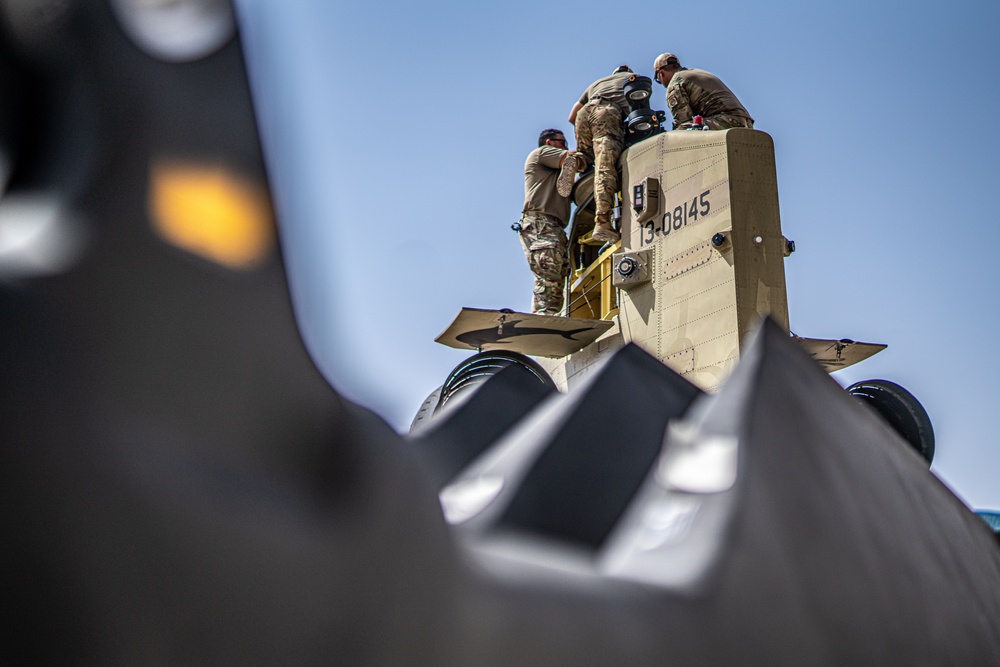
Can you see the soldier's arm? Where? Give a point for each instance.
(680, 103)
(553, 157)
(579, 105)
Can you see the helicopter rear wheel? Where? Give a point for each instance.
(901, 410)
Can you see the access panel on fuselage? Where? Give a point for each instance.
(703, 297)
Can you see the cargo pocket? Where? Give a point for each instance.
(547, 262)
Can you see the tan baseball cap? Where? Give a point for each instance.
(661, 60)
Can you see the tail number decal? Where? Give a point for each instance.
(673, 220)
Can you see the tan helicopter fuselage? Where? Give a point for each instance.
(701, 257)
(700, 262)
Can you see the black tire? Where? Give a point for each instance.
(901, 410)
(482, 366)
(427, 409)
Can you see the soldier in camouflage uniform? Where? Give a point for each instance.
(600, 136)
(544, 217)
(695, 92)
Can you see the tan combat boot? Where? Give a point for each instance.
(603, 232)
(567, 173)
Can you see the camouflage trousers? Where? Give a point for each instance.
(725, 121)
(600, 136)
(544, 243)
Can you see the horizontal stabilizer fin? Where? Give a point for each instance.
(833, 355)
(534, 335)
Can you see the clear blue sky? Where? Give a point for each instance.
(396, 133)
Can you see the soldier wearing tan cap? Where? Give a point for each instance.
(695, 92)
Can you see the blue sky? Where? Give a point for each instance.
(396, 133)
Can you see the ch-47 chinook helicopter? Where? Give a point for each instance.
(184, 485)
(700, 262)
